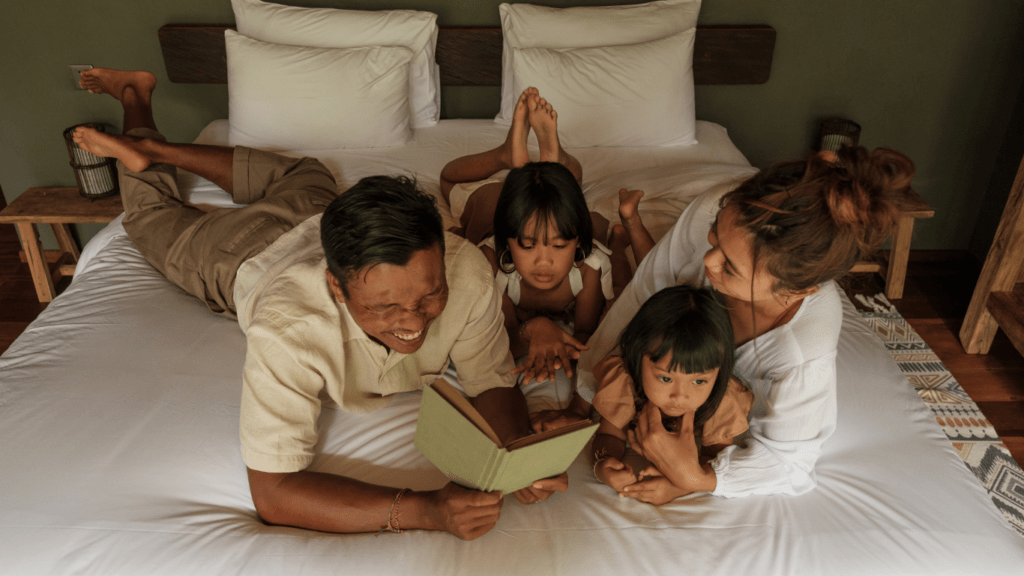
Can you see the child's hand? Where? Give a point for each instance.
(551, 419)
(614, 473)
(653, 488)
(551, 348)
(543, 489)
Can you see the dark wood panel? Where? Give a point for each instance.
(471, 56)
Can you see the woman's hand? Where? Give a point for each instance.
(551, 348)
(675, 455)
(614, 473)
(653, 488)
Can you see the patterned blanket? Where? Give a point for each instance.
(973, 437)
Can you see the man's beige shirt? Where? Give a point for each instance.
(305, 350)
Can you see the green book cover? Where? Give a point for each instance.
(456, 438)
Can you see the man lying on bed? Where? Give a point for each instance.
(394, 299)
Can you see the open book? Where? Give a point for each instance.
(457, 439)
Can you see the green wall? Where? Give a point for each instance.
(937, 79)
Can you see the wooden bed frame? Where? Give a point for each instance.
(471, 56)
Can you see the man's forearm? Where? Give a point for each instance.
(332, 503)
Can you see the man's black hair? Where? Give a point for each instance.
(380, 220)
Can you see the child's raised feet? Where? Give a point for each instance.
(127, 149)
(515, 142)
(628, 202)
(116, 82)
(544, 121)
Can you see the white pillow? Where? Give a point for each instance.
(633, 95)
(528, 26)
(297, 98)
(336, 28)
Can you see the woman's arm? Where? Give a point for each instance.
(785, 440)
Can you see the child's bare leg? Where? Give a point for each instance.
(622, 272)
(599, 224)
(134, 89)
(544, 121)
(640, 237)
(511, 154)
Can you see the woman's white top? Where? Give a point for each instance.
(791, 369)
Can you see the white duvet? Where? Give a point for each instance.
(119, 419)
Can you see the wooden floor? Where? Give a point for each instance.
(939, 287)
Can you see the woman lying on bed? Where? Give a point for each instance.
(773, 249)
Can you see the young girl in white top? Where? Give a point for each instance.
(672, 371)
(535, 228)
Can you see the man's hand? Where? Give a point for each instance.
(653, 488)
(542, 489)
(614, 473)
(465, 513)
(551, 348)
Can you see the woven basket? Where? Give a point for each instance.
(97, 177)
(836, 132)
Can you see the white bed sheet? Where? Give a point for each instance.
(119, 413)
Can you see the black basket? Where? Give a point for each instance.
(97, 177)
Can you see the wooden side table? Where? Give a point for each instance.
(911, 207)
(57, 207)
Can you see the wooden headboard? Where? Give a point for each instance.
(471, 56)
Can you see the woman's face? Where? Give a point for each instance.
(542, 256)
(729, 264)
(675, 392)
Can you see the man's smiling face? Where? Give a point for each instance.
(395, 305)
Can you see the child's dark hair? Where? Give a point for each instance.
(549, 191)
(690, 324)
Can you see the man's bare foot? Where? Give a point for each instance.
(544, 121)
(628, 202)
(116, 82)
(127, 149)
(515, 144)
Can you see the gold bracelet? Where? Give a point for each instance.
(393, 514)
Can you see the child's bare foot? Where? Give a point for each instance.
(127, 149)
(515, 143)
(544, 121)
(628, 202)
(116, 82)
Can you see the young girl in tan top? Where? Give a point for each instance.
(679, 348)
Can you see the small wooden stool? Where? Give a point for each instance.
(911, 207)
(57, 207)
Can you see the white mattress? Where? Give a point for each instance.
(119, 414)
